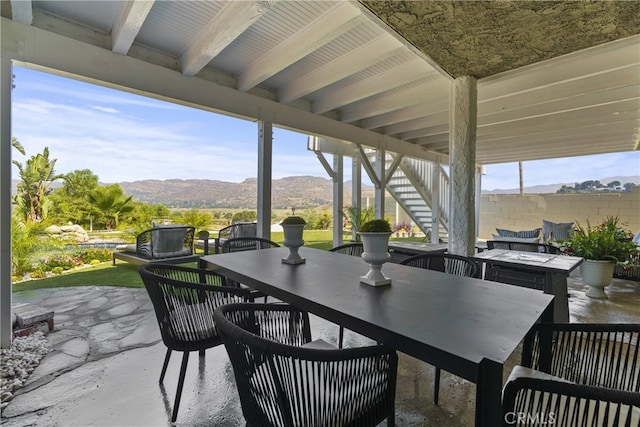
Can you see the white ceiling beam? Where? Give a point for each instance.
(22, 11)
(592, 61)
(335, 22)
(353, 62)
(600, 82)
(407, 113)
(389, 102)
(232, 20)
(397, 76)
(419, 123)
(64, 56)
(126, 28)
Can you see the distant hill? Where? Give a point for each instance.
(295, 191)
(552, 188)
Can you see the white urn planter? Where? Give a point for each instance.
(293, 241)
(375, 253)
(597, 275)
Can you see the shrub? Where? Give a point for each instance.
(38, 274)
(57, 270)
(100, 254)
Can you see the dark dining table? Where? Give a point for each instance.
(466, 326)
(541, 271)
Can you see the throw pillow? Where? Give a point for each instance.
(553, 231)
(526, 234)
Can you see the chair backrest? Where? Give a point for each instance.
(184, 300)
(536, 401)
(281, 383)
(601, 355)
(247, 244)
(523, 246)
(239, 229)
(165, 242)
(354, 249)
(447, 263)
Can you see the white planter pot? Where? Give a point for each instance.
(293, 241)
(375, 253)
(597, 275)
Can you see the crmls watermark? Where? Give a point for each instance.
(541, 418)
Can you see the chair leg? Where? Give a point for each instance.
(201, 353)
(166, 363)
(436, 387)
(183, 371)
(340, 337)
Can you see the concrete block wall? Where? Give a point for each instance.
(526, 211)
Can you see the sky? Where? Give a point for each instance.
(125, 137)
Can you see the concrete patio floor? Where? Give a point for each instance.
(106, 355)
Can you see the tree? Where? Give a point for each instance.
(36, 176)
(71, 201)
(245, 216)
(111, 202)
(195, 218)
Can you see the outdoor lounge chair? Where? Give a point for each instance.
(523, 246)
(184, 300)
(235, 230)
(285, 379)
(169, 245)
(580, 374)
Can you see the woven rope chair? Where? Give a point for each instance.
(239, 244)
(354, 249)
(446, 263)
(283, 383)
(184, 300)
(583, 374)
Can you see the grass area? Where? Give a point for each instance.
(126, 275)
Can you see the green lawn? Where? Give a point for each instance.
(126, 275)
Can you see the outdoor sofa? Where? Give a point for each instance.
(233, 231)
(171, 244)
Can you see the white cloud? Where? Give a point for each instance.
(105, 109)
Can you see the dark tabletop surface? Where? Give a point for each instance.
(448, 320)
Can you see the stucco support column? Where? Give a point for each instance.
(6, 83)
(463, 117)
(265, 167)
(356, 188)
(338, 198)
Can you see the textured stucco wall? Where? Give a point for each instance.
(526, 212)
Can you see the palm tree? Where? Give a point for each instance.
(111, 202)
(36, 175)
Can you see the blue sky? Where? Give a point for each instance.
(125, 137)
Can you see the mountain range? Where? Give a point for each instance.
(294, 191)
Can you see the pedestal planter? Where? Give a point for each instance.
(376, 253)
(597, 275)
(293, 241)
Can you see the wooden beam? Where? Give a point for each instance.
(126, 28)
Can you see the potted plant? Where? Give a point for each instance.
(602, 247)
(375, 243)
(293, 227)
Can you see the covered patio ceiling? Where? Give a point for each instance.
(555, 79)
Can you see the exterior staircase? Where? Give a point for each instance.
(421, 187)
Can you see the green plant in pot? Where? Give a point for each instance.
(375, 243)
(293, 227)
(602, 247)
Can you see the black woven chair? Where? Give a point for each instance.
(283, 383)
(568, 365)
(184, 300)
(239, 244)
(446, 263)
(354, 249)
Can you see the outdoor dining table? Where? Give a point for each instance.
(466, 326)
(545, 272)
